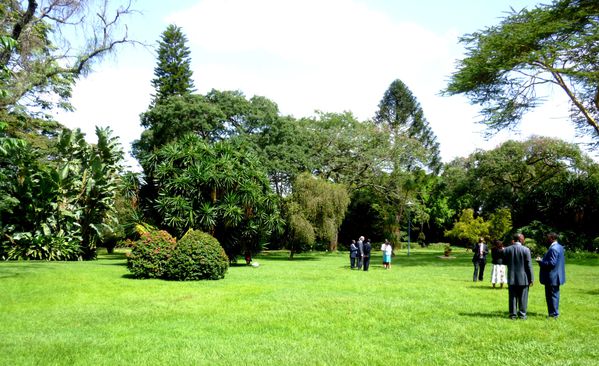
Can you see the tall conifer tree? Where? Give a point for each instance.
(401, 112)
(173, 72)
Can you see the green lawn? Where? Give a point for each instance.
(310, 311)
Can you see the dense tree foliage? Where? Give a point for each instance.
(506, 65)
(236, 168)
(59, 209)
(219, 188)
(541, 180)
(58, 191)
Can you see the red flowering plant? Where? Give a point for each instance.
(149, 254)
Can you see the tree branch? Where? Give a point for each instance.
(587, 115)
(18, 29)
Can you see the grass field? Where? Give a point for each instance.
(313, 310)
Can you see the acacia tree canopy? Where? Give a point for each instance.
(506, 65)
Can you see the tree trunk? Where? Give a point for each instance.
(333, 242)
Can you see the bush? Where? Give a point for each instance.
(197, 256)
(56, 247)
(149, 255)
(535, 249)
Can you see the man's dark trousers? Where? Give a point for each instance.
(518, 296)
(479, 269)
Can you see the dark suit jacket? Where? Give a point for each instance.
(519, 265)
(353, 250)
(553, 266)
(476, 251)
(367, 249)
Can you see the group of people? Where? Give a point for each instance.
(519, 276)
(359, 253)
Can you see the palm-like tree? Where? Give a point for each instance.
(219, 188)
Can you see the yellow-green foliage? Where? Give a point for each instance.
(468, 229)
(500, 223)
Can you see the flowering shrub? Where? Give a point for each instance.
(150, 254)
(197, 256)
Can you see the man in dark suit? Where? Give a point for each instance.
(552, 274)
(479, 259)
(519, 276)
(367, 250)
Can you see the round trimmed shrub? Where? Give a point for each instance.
(197, 256)
(149, 254)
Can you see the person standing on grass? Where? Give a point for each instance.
(552, 274)
(519, 276)
(498, 272)
(353, 254)
(367, 250)
(479, 259)
(360, 254)
(387, 250)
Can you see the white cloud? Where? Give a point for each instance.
(111, 97)
(306, 55)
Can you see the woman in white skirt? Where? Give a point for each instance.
(499, 272)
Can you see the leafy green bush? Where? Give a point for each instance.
(56, 247)
(197, 256)
(535, 248)
(149, 255)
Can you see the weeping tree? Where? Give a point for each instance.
(317, 209)
(219, 188)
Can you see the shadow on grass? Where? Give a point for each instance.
(113, 256)
(420, 259)
(17, 268)
(488, 286)
(494, 314)
(590, 292)
(284, 256)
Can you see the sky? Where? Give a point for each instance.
(311, 55)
